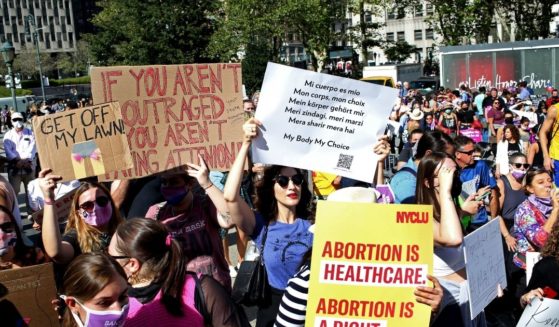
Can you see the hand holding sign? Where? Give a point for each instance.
(250, 128)
(527, 298)
(382, 148)
(431, 296)
(446, 177)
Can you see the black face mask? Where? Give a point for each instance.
(508, 120)
(456, 185)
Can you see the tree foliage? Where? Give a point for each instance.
(136, 32)
(77, 62)
(266, 21)
(25, 63)
(366, 34)
(399, 51)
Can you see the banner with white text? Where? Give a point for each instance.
(320, 122)
(366, 263)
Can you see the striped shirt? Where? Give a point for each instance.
(293, 306)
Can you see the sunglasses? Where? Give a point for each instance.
(518, 165)
(116, 256)
(89, 205)
(469, 153)
(283, 181)
(17, 119)
(7, 227)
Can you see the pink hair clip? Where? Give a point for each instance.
(168, 240)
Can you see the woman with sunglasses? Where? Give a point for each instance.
(13, 252)
(509, 145)
(438, 184)
(282, 202)
(511, 195)
(95, 292)
(92, 220)
(162, 292)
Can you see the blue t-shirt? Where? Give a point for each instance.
(473, 178)
(403, 184)
(284, 248)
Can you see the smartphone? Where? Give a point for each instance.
(549, 292)
(483, 196)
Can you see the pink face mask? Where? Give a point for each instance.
(100, 216)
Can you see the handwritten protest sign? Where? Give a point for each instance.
(173, 113)
(485, 265)
(25, 296)
(540, 313)
(83, 142)
(320, 122)
(62, 207)
(367, 260)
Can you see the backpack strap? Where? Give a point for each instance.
(200, 300)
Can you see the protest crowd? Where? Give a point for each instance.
(153, 251)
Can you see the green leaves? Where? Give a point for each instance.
(137, 32)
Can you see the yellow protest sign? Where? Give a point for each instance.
(367, 260)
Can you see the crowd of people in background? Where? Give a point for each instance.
(155, 251)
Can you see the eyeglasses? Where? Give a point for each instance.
(7, 227)
(116, 257)
(518, 165)
(496, 102)
(89, 205)
(469, 153)
(283, 181)
(17, 119)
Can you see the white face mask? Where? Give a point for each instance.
(96, 318)
(18, 124)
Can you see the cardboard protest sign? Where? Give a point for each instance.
(62, 207)
(320, 122)
(26, 295)
(173, 113)
(485, 265)
(83, 142)
(367, 260)
(540, 313)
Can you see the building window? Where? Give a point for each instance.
(390, 36)
(391, 14)
(418, 10)
(429, 34)
(47, 41)
(429, 9)
(368, 17)
(400, 13)
(71, 39)
(401, 36)
(418, 35)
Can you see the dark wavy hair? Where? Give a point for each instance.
(145, 240)
(551, 247)
(513, 131)
(266, 202)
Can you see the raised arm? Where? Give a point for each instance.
(544, 130)
(60, 251)
(202, 174)
(238, 210)
(448, 232)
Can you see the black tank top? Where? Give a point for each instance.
(538, 157)
(512, 200)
